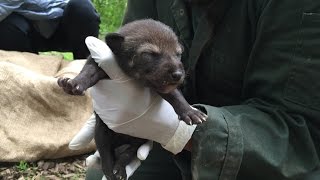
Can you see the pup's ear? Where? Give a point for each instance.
(114, 41)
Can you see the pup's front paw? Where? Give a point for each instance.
(120, 172)
(193, 116)
(70, 86)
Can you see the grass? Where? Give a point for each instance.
(66, 55)
(70, 168)
(22, 166)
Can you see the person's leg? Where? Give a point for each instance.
(79, 20)
(14, 34)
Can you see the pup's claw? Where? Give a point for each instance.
(70, 86)
(119, 173)
(203, 116)
(62, 82)
(187, 120)
(193, 116)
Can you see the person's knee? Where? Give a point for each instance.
(17, 23)
(79, 20)
(80, 16)
(83, 10)
(14, 34)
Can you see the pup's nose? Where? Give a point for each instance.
(176, 76)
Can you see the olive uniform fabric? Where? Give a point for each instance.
(257, 79)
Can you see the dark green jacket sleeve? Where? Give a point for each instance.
(254, 141)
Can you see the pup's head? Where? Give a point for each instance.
(149, 50)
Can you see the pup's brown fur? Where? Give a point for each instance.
(150, 52)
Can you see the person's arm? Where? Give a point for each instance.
(8, 6)
(256, 135)
(273, 133)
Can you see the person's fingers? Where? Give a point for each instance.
(93, 161)
(144, 150)
(99, 50)
(132, 167)
(85, 135)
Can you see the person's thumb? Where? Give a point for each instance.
(144, 150)
(85, 135)
(103, 56)
(99, 50)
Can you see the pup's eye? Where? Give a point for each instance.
(149, 54)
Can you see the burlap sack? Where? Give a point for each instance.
(37, 119)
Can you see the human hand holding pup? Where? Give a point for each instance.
(137, 107)
(128, 107)
(125, 105)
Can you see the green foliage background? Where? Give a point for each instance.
(111, 14)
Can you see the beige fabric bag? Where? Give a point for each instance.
(37, 119)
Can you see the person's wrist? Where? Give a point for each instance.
(180, 138)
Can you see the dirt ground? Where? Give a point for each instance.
(72, 168)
